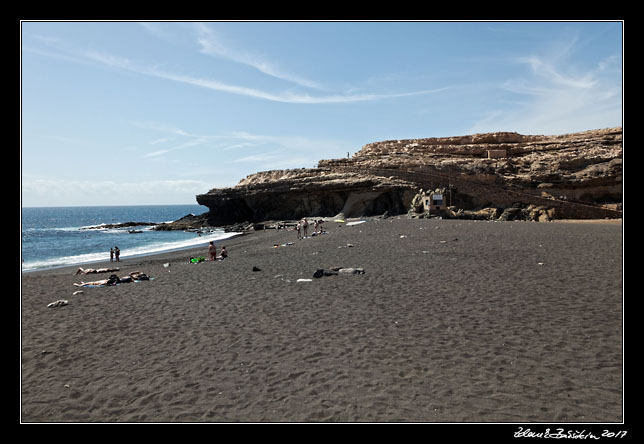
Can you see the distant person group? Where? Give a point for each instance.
(115, 253)
(212, 252)
(302, 228)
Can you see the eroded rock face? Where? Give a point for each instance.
(304, 193)
(563, 172)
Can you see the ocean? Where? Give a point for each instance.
(60, 236)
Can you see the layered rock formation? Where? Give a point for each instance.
(293, 194)
(573, 175)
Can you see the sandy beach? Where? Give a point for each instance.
(451, 321)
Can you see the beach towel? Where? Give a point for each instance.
(288, 244)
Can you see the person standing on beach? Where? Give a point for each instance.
(305, 227)
(299, 230)
(111, 254)
(212, 251)
(117, 253)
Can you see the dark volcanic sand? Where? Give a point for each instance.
(457, 321)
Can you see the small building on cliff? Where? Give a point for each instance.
(435, 200)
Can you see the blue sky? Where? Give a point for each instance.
(127, 113)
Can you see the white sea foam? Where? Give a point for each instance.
(154, 248)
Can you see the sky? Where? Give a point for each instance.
(138, 113)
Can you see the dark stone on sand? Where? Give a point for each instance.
(322, 272)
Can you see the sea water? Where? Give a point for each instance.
(60, 236)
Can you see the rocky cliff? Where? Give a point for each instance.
(575, 175)
(293, 194)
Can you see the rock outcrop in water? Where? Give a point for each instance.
(575, 175)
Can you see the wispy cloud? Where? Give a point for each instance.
(556, 95)
(193, 142)
(158, 141)
(156, 30)
(212, 45)
(242, 147)
(156, 153)
(156, 70)
(38, 191)
(283, 97)
(258, 158)
(162, 128)
(550, 74)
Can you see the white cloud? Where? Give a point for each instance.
(155, 153)
(59, 192)
(155, 70)
(243, 140)
(163, 128)
(156, 30)
(158, 141)
(212, 45)
(194, 142)
(284, 97)
(557, 96)
(550, 74)
(258, 158)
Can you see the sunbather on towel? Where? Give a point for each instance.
(92, 284)
(114, 279)
(82, 270)
(134, 276)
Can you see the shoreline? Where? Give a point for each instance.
(107, 262)
(452, 321)
(328, 220)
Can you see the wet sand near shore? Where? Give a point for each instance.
(452, 321)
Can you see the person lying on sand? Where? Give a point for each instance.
(94, 283)
(139, 276)
(114, 279)
(82, 270)
(134, 276)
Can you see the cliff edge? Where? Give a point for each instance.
(576, 175)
